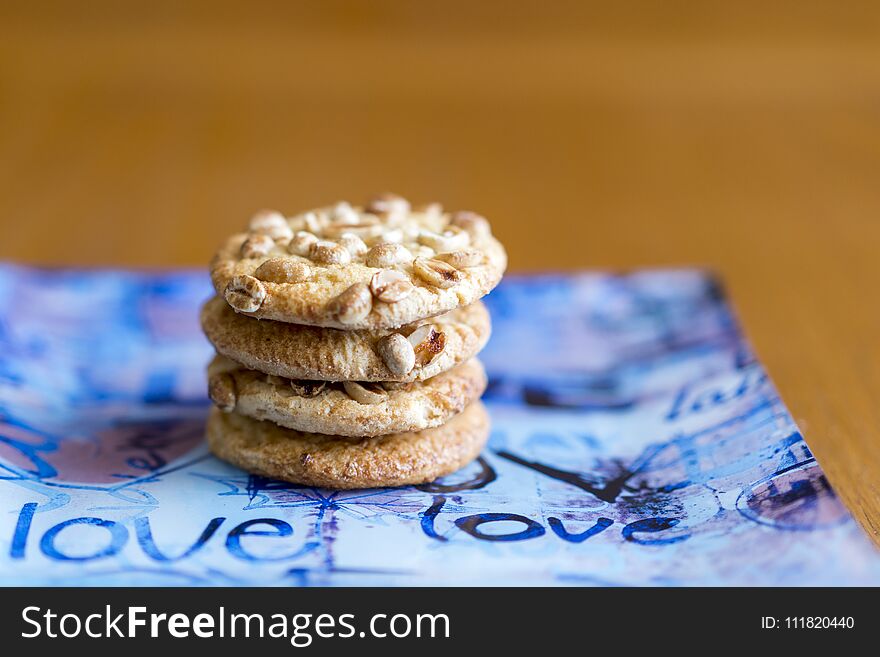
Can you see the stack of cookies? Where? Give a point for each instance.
(346, 342)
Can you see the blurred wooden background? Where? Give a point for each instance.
(744, 136)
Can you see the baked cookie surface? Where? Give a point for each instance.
(343, 463)
(346, 408)
(375, 267)
(414, 352)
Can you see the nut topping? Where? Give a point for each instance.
(245, 294)
(385, 236)
(353, 244)
(391, 236)
(410, 232)
(271, 223)
(436, 272)
(422, 251)
(388, 204)
(390, 285)
(313, 222)
(388, 255)
(397, 353)
(257, 245)
(476, 225)
(365, 393)
(342, 212)
(221, 390)
(461, 259)
(308, 388)
(431, 210)
(283, 270)
(449, 240)
(301, 243)
(365, 227)
(353, 304)
(329, 253)
(427, 343)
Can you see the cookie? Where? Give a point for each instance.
(345, 408)
(412, 353)
(376, 267)
(310, 459)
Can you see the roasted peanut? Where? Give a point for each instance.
(245, 293)
(436, 272)
(283, 270)
(397, 353)
(353, 305)
(390, 285)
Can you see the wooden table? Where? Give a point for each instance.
(745, 138)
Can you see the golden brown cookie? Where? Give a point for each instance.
(311, 459)
(375, 267)
(411, 353)
(345, 408)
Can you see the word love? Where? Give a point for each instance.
(483, 526)
(112, 537)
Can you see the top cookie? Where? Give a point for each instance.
(376, 267)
